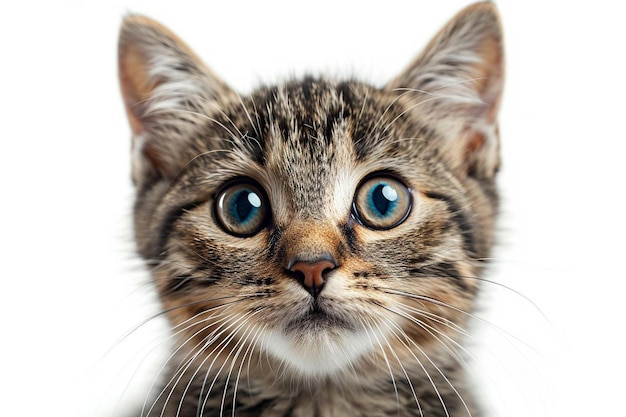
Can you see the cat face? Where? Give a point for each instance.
(317, 224)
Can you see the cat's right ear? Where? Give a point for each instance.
(165, 87)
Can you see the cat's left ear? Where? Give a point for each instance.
(166, 89)
(456, 86)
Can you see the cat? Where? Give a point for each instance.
(318, 245)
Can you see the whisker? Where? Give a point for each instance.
(201, 155)
(243, 342)
(406, 375)
(360, 116)
(230, 338)
(485, 347)
(393, 379)
(437, 392)
(202, 116)
(384, 113)
(185, 364)
(250, 349)
(436, 318)
(458, 310)
(161, 313)
(255, 127)
(527, 299)
(471, 98)
(434, 333)
(175, 352)
(254, 347)
(208, 340)
(409, 109)
(185, 359)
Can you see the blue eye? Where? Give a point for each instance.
(382, 203)
(242, 209)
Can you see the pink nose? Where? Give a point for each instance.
(311, 274)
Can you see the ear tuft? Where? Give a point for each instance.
(456, 84)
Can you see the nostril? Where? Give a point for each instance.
(298, 275)
(312, 275)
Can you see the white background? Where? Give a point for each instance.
(70, 283)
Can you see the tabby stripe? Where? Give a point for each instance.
(177, 283)
(350, 235)
(257, 408)
(272, 242)
(460, 219)
(168, 225)
(180, 283)
(443, 270)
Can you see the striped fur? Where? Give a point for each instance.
(385, 336)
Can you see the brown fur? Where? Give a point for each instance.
(385, 336)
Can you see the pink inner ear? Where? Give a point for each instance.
(491, 71)
(134, 81)
(474, 144)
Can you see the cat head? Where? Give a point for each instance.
(316, 222)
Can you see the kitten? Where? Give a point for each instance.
(316, 245)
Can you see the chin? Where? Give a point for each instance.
(319, 352)
(319, 344)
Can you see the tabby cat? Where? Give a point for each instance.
(317, 246)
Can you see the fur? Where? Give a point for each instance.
(385, 335)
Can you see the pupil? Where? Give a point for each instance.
(244, 204)
(382, 197)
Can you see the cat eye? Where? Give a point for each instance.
(382, 202)
(242, 209)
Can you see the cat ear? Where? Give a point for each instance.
(456, 84)
(165, 87)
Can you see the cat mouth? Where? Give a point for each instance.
(318, 318)
(319, 340)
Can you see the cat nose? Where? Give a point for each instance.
(312, 274)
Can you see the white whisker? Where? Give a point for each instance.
(194, 322)
(391, 324)
(435, 333)
(185, 364)
(443, 375)
(440, 303)
(393, 379)
(230, 337)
